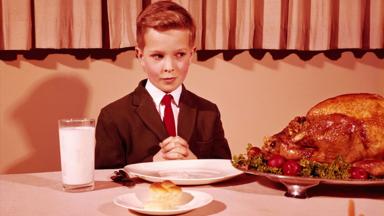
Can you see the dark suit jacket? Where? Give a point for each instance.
(130, 129)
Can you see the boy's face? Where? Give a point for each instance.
(166, 57)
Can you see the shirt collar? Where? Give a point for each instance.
(157, 95)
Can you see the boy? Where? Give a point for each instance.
(131, 129)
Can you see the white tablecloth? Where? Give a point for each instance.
(42, 194)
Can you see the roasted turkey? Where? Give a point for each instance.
(349, 126)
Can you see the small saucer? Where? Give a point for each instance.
(190, 200)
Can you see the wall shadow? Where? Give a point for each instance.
(37, 115)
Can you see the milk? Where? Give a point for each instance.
(77, 152)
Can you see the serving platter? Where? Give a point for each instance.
(298, 186)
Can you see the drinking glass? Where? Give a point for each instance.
(77, 154)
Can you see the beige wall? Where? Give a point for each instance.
(267, 93)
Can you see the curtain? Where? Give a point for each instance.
(309, 25)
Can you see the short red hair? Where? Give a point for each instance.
(163, 16)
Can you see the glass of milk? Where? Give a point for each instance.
(77, 154)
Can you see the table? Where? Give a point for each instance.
(41, 194)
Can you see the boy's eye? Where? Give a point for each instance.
(157, 56)
(180, 54)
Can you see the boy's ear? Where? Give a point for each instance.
(139, 53)
(192, 53)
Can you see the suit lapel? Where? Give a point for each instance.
(187, 115)
(146, 110)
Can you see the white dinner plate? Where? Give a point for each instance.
(185, 172)
(190, 200)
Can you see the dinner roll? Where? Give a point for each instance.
(163, 196)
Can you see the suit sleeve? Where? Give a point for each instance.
(220, 144)
(109, 151)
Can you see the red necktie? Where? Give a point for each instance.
(168, 119)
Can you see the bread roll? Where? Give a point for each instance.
(163, 196)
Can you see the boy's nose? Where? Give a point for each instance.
(168, 65)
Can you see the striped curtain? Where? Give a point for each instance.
(312, 25)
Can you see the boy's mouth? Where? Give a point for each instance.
(169, 79)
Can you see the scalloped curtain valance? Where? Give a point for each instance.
(222, 24)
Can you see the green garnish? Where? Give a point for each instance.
(338, 169)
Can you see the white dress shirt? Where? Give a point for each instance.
(157, 95)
